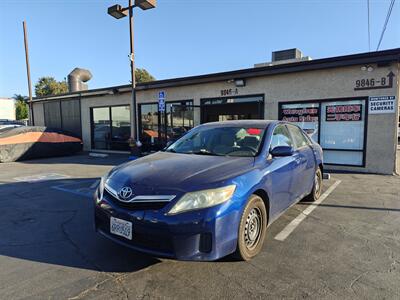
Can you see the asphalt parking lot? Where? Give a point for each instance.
(348, 247)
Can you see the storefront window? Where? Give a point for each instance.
(180, 121)
(111, 128)
(342, 131)
(157, 129)
(232, 108)
(338, 126)
(227, 100)
(149, 130)
(305, 115)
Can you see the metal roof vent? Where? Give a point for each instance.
(284, 57)
(77, 79)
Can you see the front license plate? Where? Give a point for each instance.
(121, 227)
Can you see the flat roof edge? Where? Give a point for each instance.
(391, 55)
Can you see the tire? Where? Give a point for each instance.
(252, 229)
(317, 187)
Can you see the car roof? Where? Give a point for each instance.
(242, 123)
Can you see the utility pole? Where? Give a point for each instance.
(28, 74)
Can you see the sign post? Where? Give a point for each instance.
(161, 110)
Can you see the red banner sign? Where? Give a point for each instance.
(340, 113)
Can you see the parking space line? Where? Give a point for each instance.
(292, 225)
(41, 177)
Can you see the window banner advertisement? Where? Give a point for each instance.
(340, 113)
(300, 115)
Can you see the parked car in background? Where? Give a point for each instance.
(212, 193)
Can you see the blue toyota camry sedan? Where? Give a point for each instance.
(212, 193)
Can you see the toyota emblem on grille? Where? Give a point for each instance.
(125, 193)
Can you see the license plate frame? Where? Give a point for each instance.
(121, 228)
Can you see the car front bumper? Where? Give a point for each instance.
(203, 235)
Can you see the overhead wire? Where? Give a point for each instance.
(386, 22)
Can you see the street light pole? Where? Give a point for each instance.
(136, 142)
(118, 12)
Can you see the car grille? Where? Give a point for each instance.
(148, 204)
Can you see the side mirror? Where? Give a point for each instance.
(280, 151)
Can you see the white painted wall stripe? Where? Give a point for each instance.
(292, 225)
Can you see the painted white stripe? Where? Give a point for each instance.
(292, 225)
(41, 177)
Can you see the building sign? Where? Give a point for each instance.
(382, 105)
(161, 101)
(348, 112)
(303, 114)
(374, 83)
(230, 92)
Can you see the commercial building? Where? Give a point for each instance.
(349, 104)
(7, 109)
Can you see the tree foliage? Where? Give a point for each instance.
(142, 75)
(47, 86)
(21, 107)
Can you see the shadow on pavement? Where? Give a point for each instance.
(81, 158)
(42, 224)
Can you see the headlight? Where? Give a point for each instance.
(203, 199)
(101, 186)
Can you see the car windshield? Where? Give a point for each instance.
(221, 141)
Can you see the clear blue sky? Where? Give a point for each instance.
(179, 37)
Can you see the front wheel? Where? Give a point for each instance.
(317, 187)
(252, 229)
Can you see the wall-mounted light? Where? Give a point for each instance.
(240, 82)
(368, 68)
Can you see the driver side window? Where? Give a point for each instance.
(281, 137)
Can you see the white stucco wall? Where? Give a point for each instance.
(7, 108)
(312, 85)
(293, 87)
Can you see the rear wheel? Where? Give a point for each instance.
(252, 229)
(317, 187)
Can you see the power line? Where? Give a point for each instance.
(386, 22)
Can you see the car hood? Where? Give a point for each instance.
(176, 171)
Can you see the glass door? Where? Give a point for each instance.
(101, 130)
(111, 128)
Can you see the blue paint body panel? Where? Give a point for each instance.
(209, 233)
